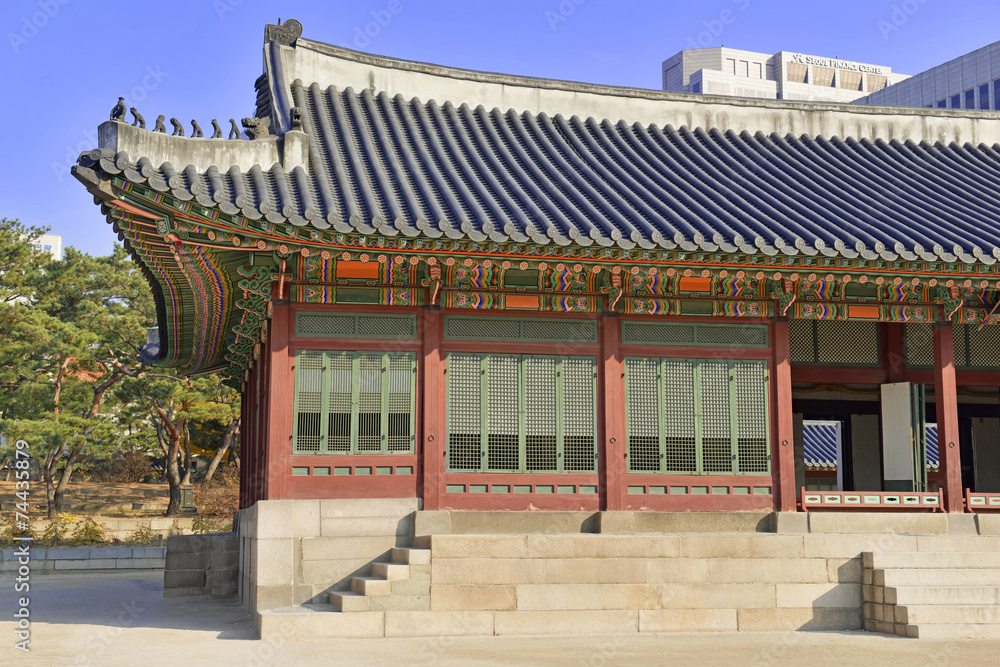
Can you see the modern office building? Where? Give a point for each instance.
(971, 81)
(782, 76)
(52, 244)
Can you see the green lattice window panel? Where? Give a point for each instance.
(975, 348)
(835, 343)
(637, 332)
(697, 416)
(350, 325)
(521, 413)
(354, 402)
(529, 329)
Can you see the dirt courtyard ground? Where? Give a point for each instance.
(100, 620)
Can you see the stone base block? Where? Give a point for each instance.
(718, 596)
(791, 523)
(184, 579)
(486, 571)
(875, 523)
(631, 523)
(275, 626)
(742, 546)
(183, 592)
(687, 620)
(438, 623)
(92, 564)
(607, 622)
(766, 620)
(523, 523)
(436, 522)
(473, 598)
(587, 596)
(400, 603)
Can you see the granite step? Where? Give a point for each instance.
(411, 556)
(937, 577)
(935, 595)
(390, 571)
(948, 614)
(349, 601)
(952, 631)
(371, 586)
(927, 560)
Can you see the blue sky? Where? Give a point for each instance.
(65, 62)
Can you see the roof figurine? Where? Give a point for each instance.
(257, 128)
(118, 112)
(178, 128)
(216, 130)
(234, 129)
(295, 122)
(139, 120)
(159, 124)
(286, 33)
(196, 129)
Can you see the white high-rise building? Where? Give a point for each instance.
(783, 76)
(52, 244)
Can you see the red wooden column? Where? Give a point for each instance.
(433, 409)
(895, 347)
(263, 405)
(784, 460)
(611, 454)
(264, 443)
(256, 443)
(246, 433)
(279, 401)
(946, 404)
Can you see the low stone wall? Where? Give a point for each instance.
(887, 523)
(202, 565)
(69, 560)
(299, 551)
(123, 528)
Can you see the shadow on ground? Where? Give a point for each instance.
(126, 601)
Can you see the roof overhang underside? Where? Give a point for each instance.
(382, 163)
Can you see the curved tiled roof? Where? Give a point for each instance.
(820, 442)
(397, 148)
(389, 165)
(820, 445)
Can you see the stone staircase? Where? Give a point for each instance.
(950, 594)
(356, 568)
(404, 584)
(573, 584)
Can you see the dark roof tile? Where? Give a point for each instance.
(386, 165)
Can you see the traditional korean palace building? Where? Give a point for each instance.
(485, 291)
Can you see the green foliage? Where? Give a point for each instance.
(9, 530)
(203, 525)
(89, 531)
(71, 384)
(19, 259)
(66, 329)
(142, 535)
(56, 533)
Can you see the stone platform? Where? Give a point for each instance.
(571, 573)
